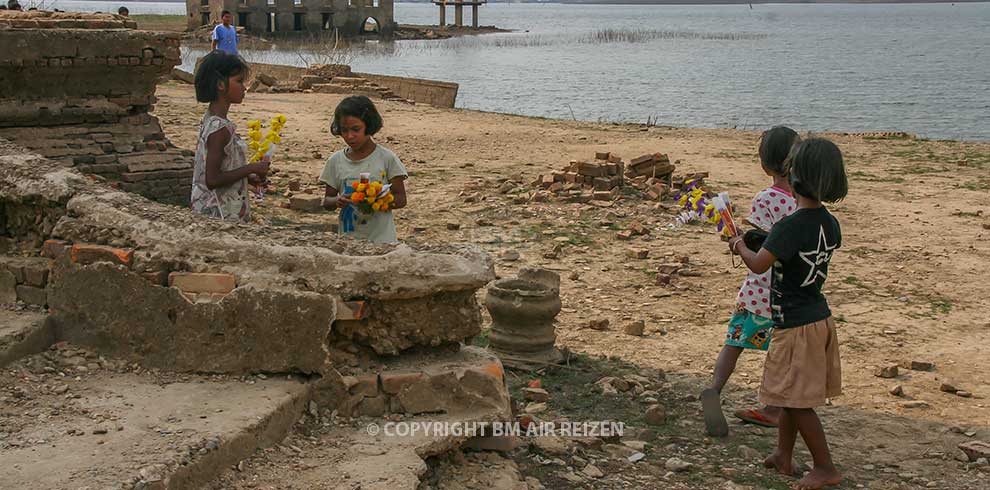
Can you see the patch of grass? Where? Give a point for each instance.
(941, 306)
(855, 281)
(280, 221)
(861, 252)
(873, 178)
(980, 185)
(481, 340)
(919, 170)
(895, 136)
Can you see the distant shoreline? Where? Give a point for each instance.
(739, 2)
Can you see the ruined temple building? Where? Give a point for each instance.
(347, 17)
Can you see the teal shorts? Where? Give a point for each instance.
(749, 330)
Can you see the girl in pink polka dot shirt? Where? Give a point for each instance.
(751, 325)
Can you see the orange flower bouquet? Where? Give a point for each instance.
(371, 196)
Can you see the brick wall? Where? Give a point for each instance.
(79, 88)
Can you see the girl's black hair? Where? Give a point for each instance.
(217, 67)
(360, 107)
(775, 145)
(815, 170)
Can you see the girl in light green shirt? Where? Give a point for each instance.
(356, 120)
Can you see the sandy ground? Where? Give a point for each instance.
(906, 286)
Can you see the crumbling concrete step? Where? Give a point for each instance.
(126, 430)
(23, 333)
(468, 381)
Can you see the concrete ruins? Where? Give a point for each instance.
(144, 313)
(79, 89)
(347, 17)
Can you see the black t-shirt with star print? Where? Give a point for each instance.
(803, 244)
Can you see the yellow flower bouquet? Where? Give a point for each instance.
(264, 146)
(371, 196)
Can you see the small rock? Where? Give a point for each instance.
(678, 465)
(100, 429)
(948, 388)
(646, 435)
(964, 394)
(655, 415)
(918, 365)
(571, 477)
(599, 324)
(888, 372)
(510, 255)
(637, 445)
(592, 471)
(637, 457)
(748, 453)
(638, 254)
(915, 404)
(975, 449)
(897, 391)
(536, 407)
(536, 394)
(619, 451)
(534, 484)
(636, 328)
(453, 226)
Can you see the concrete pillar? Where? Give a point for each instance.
(458, 14)
(443, 15)
(474, 16)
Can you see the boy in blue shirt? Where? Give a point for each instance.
(224, 35)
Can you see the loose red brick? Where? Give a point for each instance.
(365, 385)
(55, 249)
(84, 254)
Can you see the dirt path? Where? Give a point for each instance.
(905, 287)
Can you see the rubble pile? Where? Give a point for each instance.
(603, 178)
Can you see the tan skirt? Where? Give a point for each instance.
(802, 368)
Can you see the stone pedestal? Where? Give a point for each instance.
(523, 311)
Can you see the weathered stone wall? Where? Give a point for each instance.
(78, 88)
(432, 92)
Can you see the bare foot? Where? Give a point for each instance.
(817, 478)
(777, 462)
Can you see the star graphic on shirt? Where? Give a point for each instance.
(817, 257)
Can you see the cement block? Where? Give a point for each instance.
(32, 295)
(8, 287)
(196, 282)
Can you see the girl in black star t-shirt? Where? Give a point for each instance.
(802, 368)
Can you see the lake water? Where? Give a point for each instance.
(920, 68)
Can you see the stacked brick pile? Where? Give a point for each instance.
(583, 181)
(603, 178)
(79, 88)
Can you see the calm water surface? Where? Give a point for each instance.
(921, 68)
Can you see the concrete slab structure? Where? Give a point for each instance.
(348, 18)
(112, 430)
